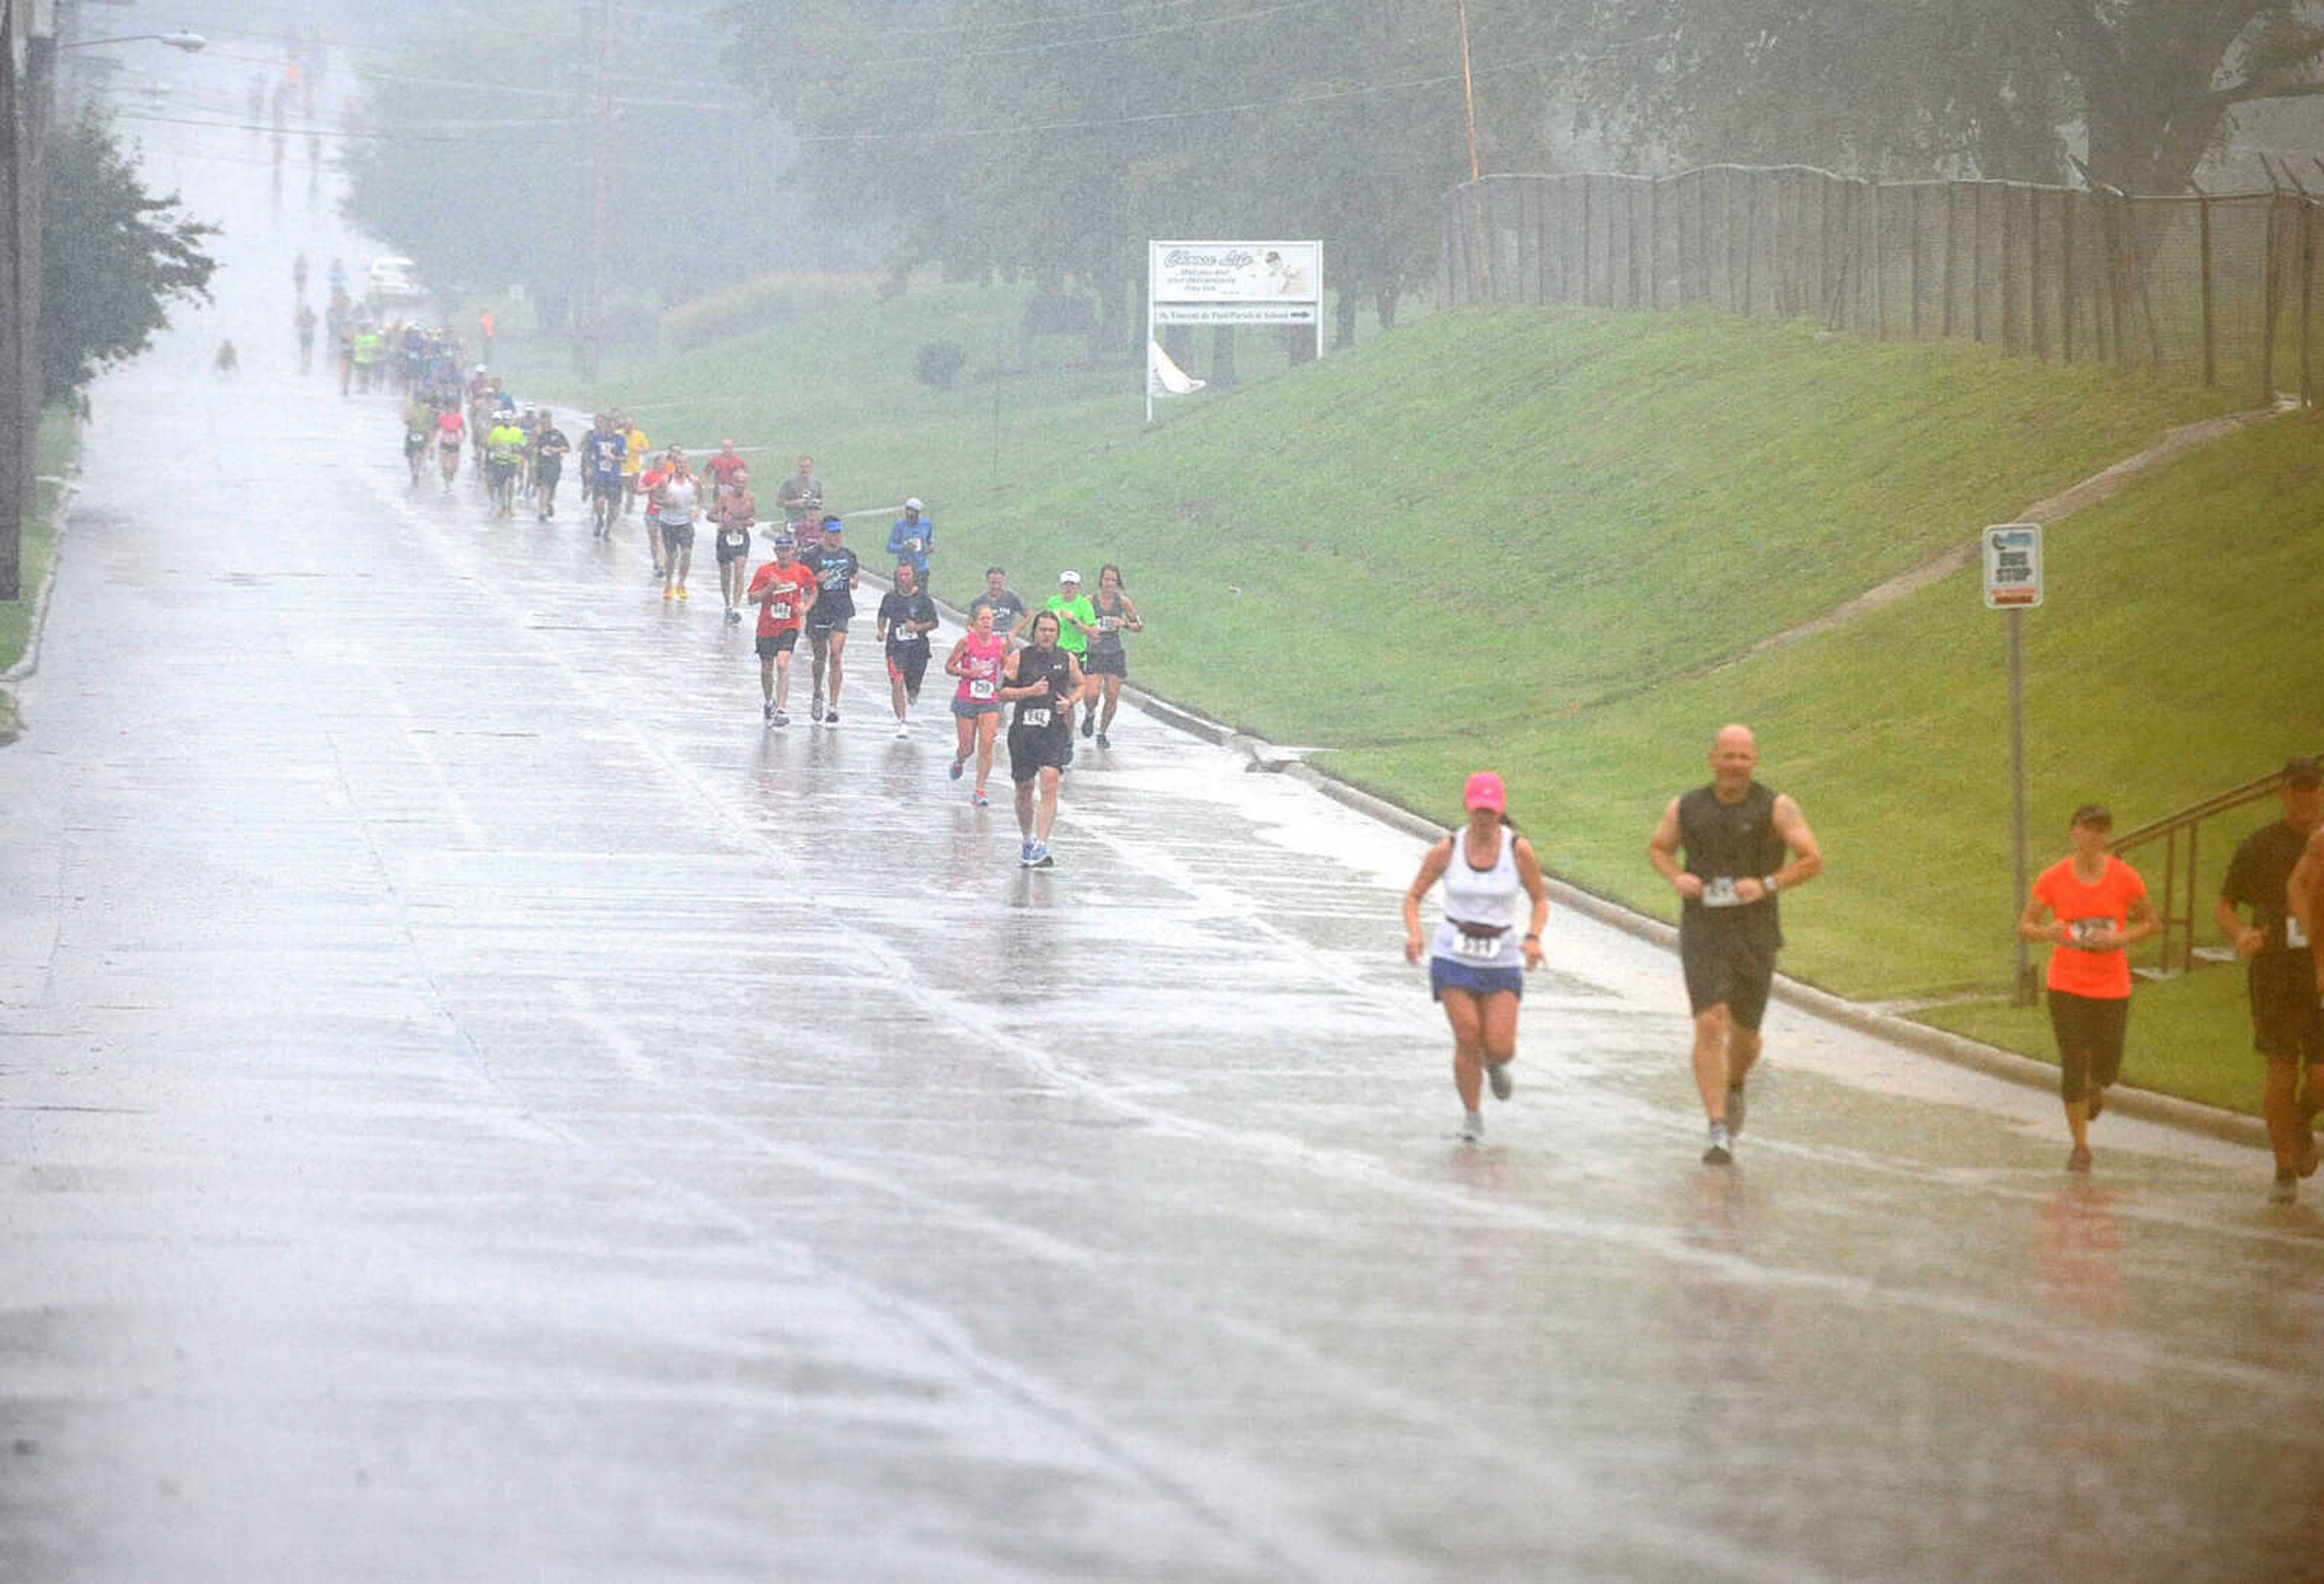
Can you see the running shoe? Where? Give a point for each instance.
(668, 592)
(1735, 1109)
(1718, 1149)
(902, 730)
(1089, 724)
(831, 719)
(2285, 1189)
(768, 714)
(1101, 743)
(1025, 855)
(1041, 859)
(1472, 1128)
(732, 615)
(782, 717)
(954, 774)
(980, 800)
(2080, 1160)
(1498, 1074)
(814, 710)
(682, 594)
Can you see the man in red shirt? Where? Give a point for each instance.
(782, 589)
(726, 469)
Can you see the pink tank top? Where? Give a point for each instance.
(982, 662)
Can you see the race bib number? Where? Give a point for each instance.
(1479, 948)
(1720, 893)
(1109, 623)
(782, 610)
(981, 688)
(1040, 717)
(414, 437)
(2294, 935)
(913, 545)
(2085, 932)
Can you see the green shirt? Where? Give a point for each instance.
(1070, 638)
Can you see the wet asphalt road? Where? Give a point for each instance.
(474, 1105)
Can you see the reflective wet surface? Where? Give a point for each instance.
(473, 1104)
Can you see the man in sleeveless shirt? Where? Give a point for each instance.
(1744, 843)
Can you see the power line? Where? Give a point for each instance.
(1049, 45)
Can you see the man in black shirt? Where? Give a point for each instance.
(548, 448)
(835, 568)
(907, 617)
(1738, 836)
(2287, 1020)
(1007, 610)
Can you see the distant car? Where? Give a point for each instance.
(392, 280)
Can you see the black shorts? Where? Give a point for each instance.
(607, 488)
(907, 665)
(2090, 1031)
(498, 470)
(413, 444)
(1033, 749)
(2287, 1015)
(825, 629)
(1100, 662)
(546, 470)
(729, 554)
(771, 644)
(677, 536)
(1727, 966)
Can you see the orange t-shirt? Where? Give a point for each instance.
(2103, 976)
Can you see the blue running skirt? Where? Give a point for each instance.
(1444, 974)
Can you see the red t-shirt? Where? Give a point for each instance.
(2103, 976)
(780, 586)
(723, 467)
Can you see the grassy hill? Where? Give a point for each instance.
(1521, 539)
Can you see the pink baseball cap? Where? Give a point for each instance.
(1485, 791)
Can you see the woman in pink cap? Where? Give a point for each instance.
(1477, 963)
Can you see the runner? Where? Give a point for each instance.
(2287, 1020)
(1076, 619)
(1044, 679)
(835, 569)
(548, 448)
(725, 468)
(603, 451)
(977, 659)
(1009, 611)
(634, 446)
(910, 540)
(800, 498)
(504, 455)
(451, 434)
(1477, 964)
(676, 503)
(784, 589)
(419, 433)
(1737, 834)
(734, 513)
(907, 617)
(1107, 662)
(647, 481)
(305, 325)
(2097, 905)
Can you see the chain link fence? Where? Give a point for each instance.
(2223, 289)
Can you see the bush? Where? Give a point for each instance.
(937, 365)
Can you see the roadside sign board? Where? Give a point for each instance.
(2012, 566)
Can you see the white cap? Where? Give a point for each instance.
(913, 504)
(1069, 576)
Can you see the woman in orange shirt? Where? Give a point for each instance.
(2096, 906)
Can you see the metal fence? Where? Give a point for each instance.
(2224, 290)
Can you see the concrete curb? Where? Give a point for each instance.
(28, 663)
(1957, 1049)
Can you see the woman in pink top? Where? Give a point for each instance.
(977, 659)
(2097, 905)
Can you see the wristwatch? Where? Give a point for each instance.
(1767, 883)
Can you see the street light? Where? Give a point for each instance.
(188, 43)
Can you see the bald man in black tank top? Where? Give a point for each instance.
(1744, 843)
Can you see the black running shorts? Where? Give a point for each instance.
(2287, 1016)
(1726, 966)
(1033, 749)
(771, 644)
(908, 666)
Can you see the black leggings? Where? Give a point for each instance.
(2089, 1032)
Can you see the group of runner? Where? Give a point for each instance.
(1729, 848)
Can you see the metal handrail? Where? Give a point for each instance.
(2179, 912)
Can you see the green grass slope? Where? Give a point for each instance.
(1521, 538)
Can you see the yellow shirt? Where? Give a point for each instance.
(635, 454)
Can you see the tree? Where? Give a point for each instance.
(112, 258)
(1986, 87)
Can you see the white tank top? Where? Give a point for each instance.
(1486, 898)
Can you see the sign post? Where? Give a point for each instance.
(1231, 283)
(2013, 584)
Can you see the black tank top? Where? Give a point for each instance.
(1730, 842)
(1053, 667)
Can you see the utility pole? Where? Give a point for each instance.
(24, 116)
(598, 40)
(1468, 84)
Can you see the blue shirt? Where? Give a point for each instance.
(923, 530)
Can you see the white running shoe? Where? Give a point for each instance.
(1719, 1150)
(1498, 1074)
(903, 729)
(1472, 1128)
